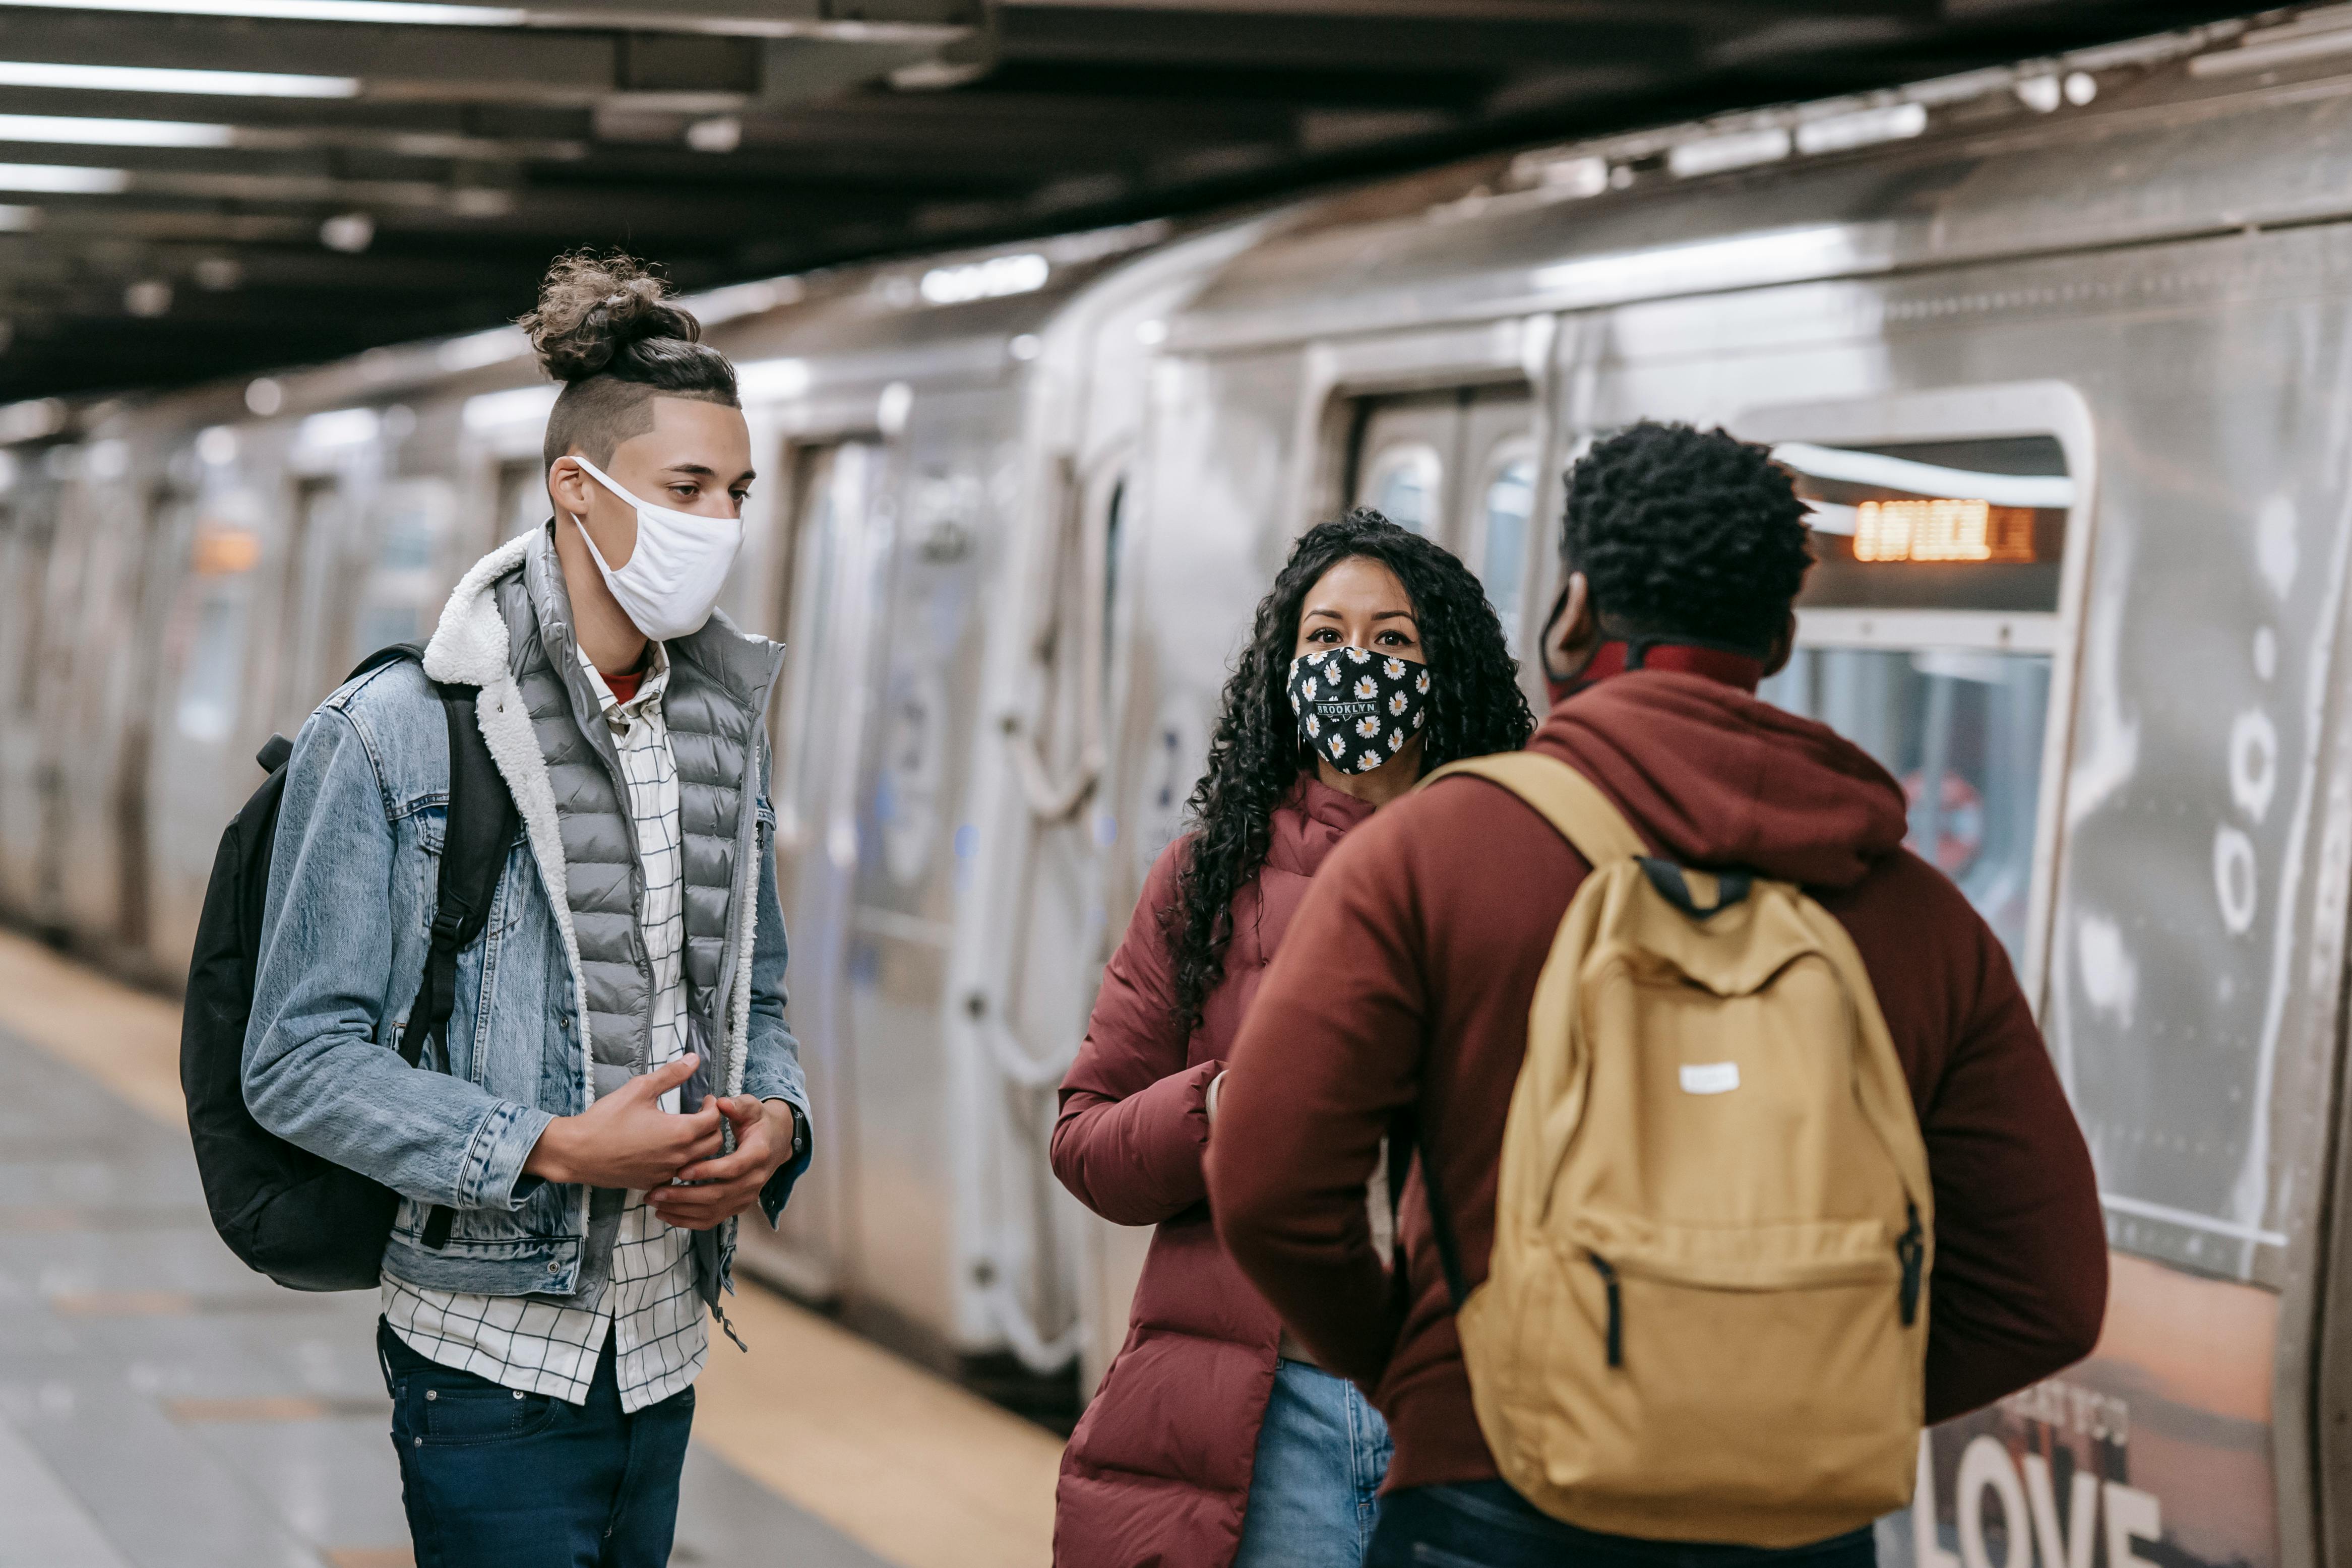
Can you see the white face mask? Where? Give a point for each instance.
(672, 579)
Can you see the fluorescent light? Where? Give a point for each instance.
(1864, 128)
(69, 179)
(17, 220)
(340, 427)
(1739, 149)
(67, 128)
(992, 279)
(523, 405)
(2040, 490)
(157, 78)
(307, 10)
(772, 378)
(1771, 255)
(475, 350)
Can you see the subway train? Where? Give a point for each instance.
(2061, 353)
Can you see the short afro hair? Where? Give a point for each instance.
(1686, 533)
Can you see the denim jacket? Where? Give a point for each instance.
(353, 881)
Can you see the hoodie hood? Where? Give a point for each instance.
(1714, 776)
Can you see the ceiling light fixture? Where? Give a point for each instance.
(64, 179)
(19, 220)
(160, 79)
(396, 11)
(347, 232)
(67, 130)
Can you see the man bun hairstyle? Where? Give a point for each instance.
(1686, 533)
(606, 326)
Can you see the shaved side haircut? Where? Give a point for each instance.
(605, 327)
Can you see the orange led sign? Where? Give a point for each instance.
(220, 551)
(1942, 530)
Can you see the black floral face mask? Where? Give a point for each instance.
(1358, 708)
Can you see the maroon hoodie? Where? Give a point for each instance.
(1407, 976)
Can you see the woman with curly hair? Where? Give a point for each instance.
(1215, 1441)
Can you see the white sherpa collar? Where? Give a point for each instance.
(469, 644)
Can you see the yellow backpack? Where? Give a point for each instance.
(1706, 1316)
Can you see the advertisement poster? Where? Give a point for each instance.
(2155, 1451)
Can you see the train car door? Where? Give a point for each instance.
(29, 527)
(1458, 466)
(208, 717)
(831, 562)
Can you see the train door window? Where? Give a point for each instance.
(1507, 500)
(1926, 634)
(1405, 485)
(27, 563)
(221, 561)
(522, 497)
(1427, 461)
(311, 589)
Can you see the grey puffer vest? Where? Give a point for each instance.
(713, 706)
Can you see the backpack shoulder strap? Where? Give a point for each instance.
(477, 826)
(1570, 802)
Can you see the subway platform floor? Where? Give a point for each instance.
(161, 1406)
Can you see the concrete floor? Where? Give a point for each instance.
(163, 1407)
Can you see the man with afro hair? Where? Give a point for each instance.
(1405, 984)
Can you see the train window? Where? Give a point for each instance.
(1916, 542)
(522, 497)
(221, 562)
(1403, 484)
(1945, 524)
(1507, 502)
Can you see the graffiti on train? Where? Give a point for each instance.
(2156, 1451)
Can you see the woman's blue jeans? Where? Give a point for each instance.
(1486, 1524)
(1314, 1493)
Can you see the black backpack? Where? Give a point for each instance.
(303, 1220)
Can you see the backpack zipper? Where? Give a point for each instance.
(1616, 1309)
(1911, 1246)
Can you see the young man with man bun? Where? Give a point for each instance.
(616, 1083)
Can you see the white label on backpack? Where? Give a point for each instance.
(1710, 1077)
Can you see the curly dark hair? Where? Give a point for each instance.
(1256, 756)
(1683, 532)
(606, 326)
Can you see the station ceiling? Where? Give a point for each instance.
(190, 188)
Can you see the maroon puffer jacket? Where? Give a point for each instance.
(1158, 1472)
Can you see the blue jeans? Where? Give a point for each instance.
(493, 1478)
(1486, 1524)
(1315, 1488)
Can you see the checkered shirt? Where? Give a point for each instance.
(540, 1345)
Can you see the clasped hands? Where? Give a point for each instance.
(627, 1140)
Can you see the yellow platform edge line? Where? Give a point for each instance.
(902, 1462)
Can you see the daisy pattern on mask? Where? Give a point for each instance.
(1314, 727)
(1368, 761)
(1396, 740)
(1338, 749)
(1392, 668)
(1368, 727)
(1397, 704)
(1421, 682)
(1418, 717)
(1366, 688)
(1309, 689)
(1331, 670)
(1360, 656)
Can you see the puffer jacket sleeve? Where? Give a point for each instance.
(771, 1069)
(1134, 1122)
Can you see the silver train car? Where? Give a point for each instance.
(2062, 354)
